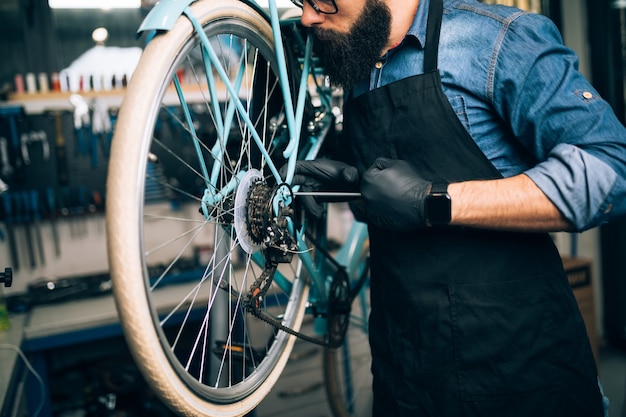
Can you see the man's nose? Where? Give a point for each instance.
(310, 17)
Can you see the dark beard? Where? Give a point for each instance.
(349, 58)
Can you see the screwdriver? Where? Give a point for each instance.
(36, 216)
(8, 221)
(52, 207)
(23, 210)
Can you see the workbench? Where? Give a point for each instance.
(55, 327)
(11, 366)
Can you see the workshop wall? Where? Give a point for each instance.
(53, 211)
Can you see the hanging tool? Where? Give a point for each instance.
(11, 114)
(65, 204)
(109, 135)
(36, 216)
(22, 209)
(52, 214)
(8, 222)
(3, 187)
(80, 210)
(7, 169)
(101, 127)
(34, 137)
(61, 151)
(82, 122)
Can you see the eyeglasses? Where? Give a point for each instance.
(320, 6)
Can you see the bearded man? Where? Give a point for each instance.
(471, 135)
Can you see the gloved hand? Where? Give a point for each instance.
(394, 195)
(323, 175)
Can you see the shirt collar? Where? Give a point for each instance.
(418, 28)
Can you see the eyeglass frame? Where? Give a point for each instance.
(313, 4)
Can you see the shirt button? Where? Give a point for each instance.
(379, 65)
(587, 95)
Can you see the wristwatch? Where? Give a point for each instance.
(438, 205)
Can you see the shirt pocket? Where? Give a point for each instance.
(460, 109)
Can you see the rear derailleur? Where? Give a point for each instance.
(262, 222)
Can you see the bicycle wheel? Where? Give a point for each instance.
(179, 273)
(347, 368)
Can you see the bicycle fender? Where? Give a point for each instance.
(163, 15)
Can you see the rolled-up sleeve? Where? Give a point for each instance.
(577, 142)
(584, 188)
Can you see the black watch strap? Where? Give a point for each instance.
(439, 188)
(438, 205)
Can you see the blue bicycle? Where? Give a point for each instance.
(225, 95)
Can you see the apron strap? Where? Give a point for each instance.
(435, 14)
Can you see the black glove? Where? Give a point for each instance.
(394, 195)
(323, 175)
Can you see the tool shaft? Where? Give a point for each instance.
(8, 221)
(327, 194)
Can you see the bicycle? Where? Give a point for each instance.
(241, 88)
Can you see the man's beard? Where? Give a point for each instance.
(349, 58)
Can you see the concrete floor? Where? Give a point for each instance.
(612, 371)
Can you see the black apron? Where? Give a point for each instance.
(464, 322)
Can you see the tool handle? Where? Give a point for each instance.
(8, 220)
(61, 152)
(25, 208)
(7, 207)
(15, 140)
(25, 213)
(34, 205)
(50, 201)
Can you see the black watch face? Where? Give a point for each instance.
(439, 209)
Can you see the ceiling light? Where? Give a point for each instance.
(100, 35)
(94, 4)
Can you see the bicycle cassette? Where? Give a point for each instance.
(251, 181)
(256, 225)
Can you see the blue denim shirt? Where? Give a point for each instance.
(518, 92)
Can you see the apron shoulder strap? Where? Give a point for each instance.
(433, 28)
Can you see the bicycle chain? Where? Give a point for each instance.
(259, 288)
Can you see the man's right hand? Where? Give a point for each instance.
(323, 175)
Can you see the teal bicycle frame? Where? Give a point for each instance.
(162, 17)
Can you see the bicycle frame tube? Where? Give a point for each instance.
(348, 256)
(294, 116)
(164, 15)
